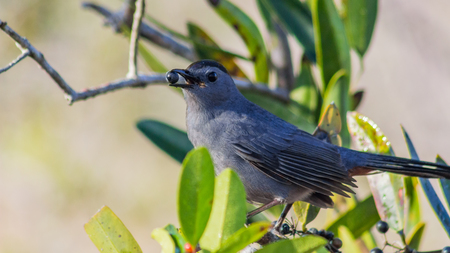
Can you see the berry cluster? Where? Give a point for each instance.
(334, 243)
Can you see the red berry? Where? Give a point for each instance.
(188, 248)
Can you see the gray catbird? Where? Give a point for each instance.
(277, 162)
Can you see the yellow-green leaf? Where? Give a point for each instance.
(228, 213)
(195, 194)
(330, 126)
(249, 33)
(348, 241)
(304, 244)
(414, 237)
(109, 234)
(163, 237)
(305, 213)
(244, 237)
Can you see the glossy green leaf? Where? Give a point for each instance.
(205, 46)
(290, 113)
(348, 241)
(171, 140)
(176, 237)
(244, 237)
(296, 17)
(387, 188)
(109, 234)
(414, 238)
(152, 62)
(164, 238)
(367, 217)
(306, 93)
(369, 240)
(266, 14)
(228, 213)
(249, 33)
(333, 55)
(195, 194)
(304, 244)
(359, 19)
(431, 195)
(305, 213)
(445, 183)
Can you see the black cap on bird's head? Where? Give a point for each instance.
(206, 80)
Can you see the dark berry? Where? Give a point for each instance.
(172, 77)
(329, 235)
(382, 227)
(313, 231)
(446, 249)
(322, 233)
(336, 243)
(285, 229)
(376, 250)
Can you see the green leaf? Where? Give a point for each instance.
(164, 238)
(431, 195)
(348, 241)
(244, 237)
(413, 239)
(333, 55)
(387, 188)
(195, 194)
(176, 237)
(290, 113)
(109, 234)
(359, 19)
(305, 213)
(307, 93)
(249, 33)
(366, 214)
(171, 140)
(412, 204)
(304, 244)
(296, 17)
(445, 183)
(205, 46)
(228, 213)
(152, 62)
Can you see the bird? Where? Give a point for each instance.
(277, 162)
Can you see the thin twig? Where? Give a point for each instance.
(24, 54)
(164, 40)
(134, 38)
(38, 57)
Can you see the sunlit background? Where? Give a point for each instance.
(59, 164)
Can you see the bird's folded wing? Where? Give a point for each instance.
(299, 159)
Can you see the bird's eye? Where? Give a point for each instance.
(212, 77)
(172, 77)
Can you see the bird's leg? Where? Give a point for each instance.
(282, 217)
(263, 208)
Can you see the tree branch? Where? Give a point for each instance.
(24, 54)
(164, 40)
(134, 39)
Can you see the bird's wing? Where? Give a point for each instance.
(297, 158)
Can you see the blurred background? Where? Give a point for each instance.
(59, 164)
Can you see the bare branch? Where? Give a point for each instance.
(134, 39)
(140, 81)
(38, 57)
(164, 40)
(24, 54)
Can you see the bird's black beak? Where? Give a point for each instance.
(172, 78)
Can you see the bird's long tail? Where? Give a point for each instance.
(360, 163)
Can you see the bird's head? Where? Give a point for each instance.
(207, 83)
